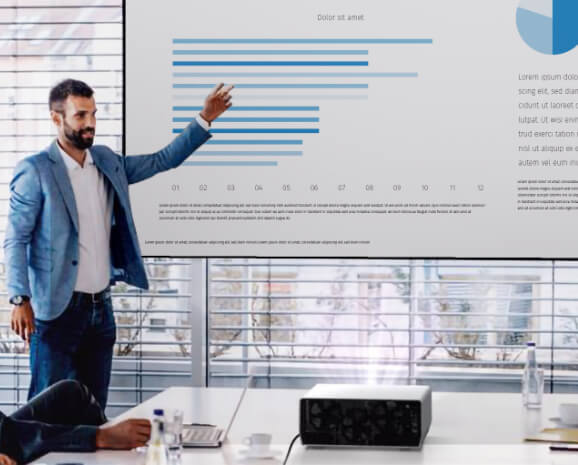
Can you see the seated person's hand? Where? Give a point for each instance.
(5, 460)
(126, 435)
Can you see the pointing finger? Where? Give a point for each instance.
(217, 88)
(228, 89)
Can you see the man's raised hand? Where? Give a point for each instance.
(216, 102)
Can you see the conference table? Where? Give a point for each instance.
(467, 428)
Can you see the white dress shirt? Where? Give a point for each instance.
(94, 197)
(204, 124)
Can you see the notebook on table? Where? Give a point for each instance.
(567, 435)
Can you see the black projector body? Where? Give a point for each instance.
(372, 416)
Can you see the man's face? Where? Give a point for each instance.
(77, 121)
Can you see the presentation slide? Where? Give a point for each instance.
(393, 128)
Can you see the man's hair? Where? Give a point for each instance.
(60, 92)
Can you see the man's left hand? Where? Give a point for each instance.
(216, 102)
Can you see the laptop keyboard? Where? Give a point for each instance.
(196, 434)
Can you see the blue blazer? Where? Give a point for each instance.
(41, 242)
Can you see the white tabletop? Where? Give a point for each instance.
(467, 428)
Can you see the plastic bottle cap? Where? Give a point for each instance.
(531, 344)
(159, 411)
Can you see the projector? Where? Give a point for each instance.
(358, 415)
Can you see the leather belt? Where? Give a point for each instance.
(96, 298)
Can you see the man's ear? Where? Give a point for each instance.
(56, 118)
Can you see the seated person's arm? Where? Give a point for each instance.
(5, 460)
(24, 441)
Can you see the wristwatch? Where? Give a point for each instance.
(19, 299)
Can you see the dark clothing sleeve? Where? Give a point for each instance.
(63, 418)
(25, 441)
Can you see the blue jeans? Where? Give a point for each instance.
(77, 345)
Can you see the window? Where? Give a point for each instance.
(41, 43)
(454, 325)
(158, 325)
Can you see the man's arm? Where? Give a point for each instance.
(5, 460)
(24, 441)
(24, 207)
(141, 167)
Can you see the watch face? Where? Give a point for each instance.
(17, 300)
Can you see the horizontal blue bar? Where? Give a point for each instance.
(266, 120)
(254, 120)
(276, 86)
(254, 108)
(264, 131)
(230, 163)
(270, 52)
(253, 142)
(302, 41)
(286, 96)
(280, 153)
(270, 63)
(305, 75)
(258, 131)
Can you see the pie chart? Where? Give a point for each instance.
(549, 26)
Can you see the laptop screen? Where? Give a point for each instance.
(238, 406)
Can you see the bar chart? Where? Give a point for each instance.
(273, 71)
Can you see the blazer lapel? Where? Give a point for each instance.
(110, 172)
(63, 182)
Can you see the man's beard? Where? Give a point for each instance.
(77, 137)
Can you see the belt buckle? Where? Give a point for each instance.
(97, 298)
(101, 296)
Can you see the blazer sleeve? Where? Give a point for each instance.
(141, 167)
(23, 210)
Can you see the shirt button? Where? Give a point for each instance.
(74, 263)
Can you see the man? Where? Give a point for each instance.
(70, 234)
(64, 418)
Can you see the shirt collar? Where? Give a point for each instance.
(71, 163)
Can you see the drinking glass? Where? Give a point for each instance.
(174, 436)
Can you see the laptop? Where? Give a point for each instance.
(199, 435)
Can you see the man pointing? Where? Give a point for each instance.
(71, 234)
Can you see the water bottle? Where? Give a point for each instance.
(157, 450)
(532, 379)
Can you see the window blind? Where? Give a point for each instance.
(456, 325)
(41, 43)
